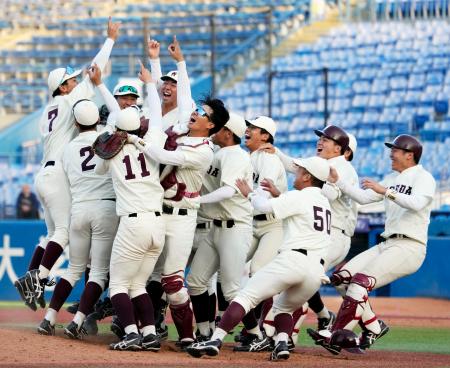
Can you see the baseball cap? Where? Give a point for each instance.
(85, 112)
(171, 76)
(58, 76)
(128, 119)
(125, 89)
(236, 124)
(316, 166)
(352, 143)
(264, 122)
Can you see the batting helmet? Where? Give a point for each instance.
(336, 134)
(346, 339)
(352, 144)
(407, 143)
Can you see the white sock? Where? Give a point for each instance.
(203, 327)
(147, 330)
(131, 328)
(324, 313)
(282, 336)
(43, 272)
(256, 331)
(51, 316)
(219, 334)
(212, 326)
(79, 318)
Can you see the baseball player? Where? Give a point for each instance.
(297, 270)
(58, 129)
(93, 222)
(332, 144)
(228, 241)
(140, 236)
(408, 195)
(182, 180)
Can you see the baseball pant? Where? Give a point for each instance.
(93, 226)
(136, 248)
(292, 274)
(224, 249)
(267, 240)
(338, 250)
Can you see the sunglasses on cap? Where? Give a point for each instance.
(127, 89)
(202, 112)
(69, 70)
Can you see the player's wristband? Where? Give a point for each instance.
(391, 194)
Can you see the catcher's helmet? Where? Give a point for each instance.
(336, 134)
(346, 339)
(128, 119)
(408, 143)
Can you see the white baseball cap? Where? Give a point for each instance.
(58, 76)
(128, 119)
(352, 143)
(171, 76)
(264, 122)
(85, 112)
(316, 166)
(125, 89)
(236, 124)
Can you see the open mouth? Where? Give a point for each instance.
(247, 137)
(167, 94)
(319, 150)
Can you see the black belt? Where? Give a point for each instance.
(203, 225)
(305, 252)
(157, 213)
(261, 217)
(228, 223)
(169, 210)
(49, 163)
(109, 199)
(399, 236)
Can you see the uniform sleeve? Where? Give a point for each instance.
(287, 161)
(220, 194)
(155, 69)
(101, 166)
(287, 204)
(184, 96)
(155, 137)
(158, 154)
(361, 196)
(331, 191)
(271, 168)
(422, 194)
(197, 157)
(154, 106)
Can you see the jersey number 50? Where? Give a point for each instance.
(322, 219)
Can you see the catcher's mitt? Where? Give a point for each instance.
(107, 145)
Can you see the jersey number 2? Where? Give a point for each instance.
(85, 166)
(322, 220)
(127, 162)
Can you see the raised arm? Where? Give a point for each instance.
(153, 102)
(155, 63)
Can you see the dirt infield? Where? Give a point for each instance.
(21, 346)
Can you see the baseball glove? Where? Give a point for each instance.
(106, 146)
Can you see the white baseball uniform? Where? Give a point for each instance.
(229, 239)
(267, 231)
(344, 211)
(58, 129)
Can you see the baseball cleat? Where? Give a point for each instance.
(90, 325)
(73, 308)
(74, 332)
(37, 286)
(323, 341)
(368, 338)
(45, 328)
(103, 309)
(210, 348)
(131, 341)
(184, 343)
(162, 333)
(25, 293)
(280, 351)
(257, 345)
(326, 323)
(291, 344)
(117, 328)
(150, 343)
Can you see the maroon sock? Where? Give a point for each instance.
(233, 315)
(266, 307)
(283, 323)
(124, 309)
(156, 291)
(316, 303)
(144, 309)
(200, 304)
(212, 308)
(52, 252)
(86, 275)
(62, 291)
(90, 296)
(183, 319)
(249, 320)
(36, 258)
